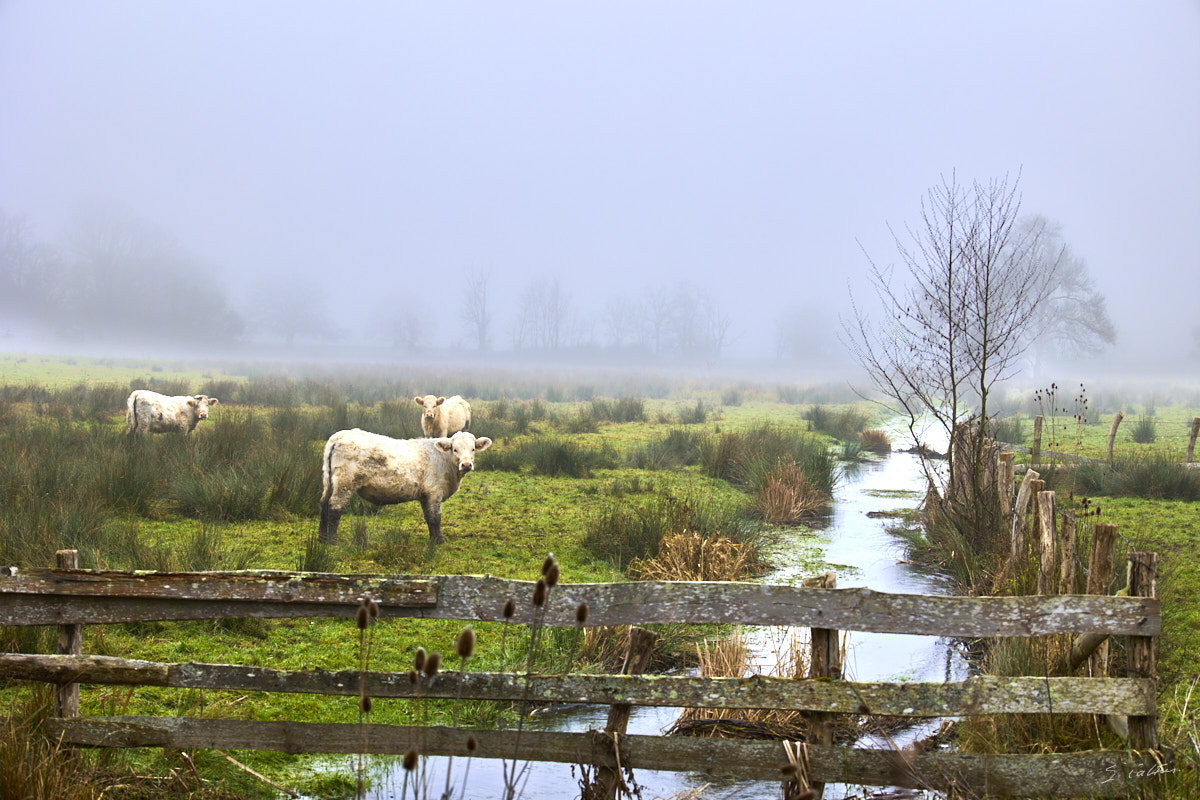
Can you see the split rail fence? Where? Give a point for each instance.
(70, 598)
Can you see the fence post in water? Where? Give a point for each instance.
(1066, 535)
(826, 662)
(1143, 571)
(1112, 435)
(70, 643)
(1192, 439)
(1100, 573)
(1045, 506)
(641, 647)
(1035, 453)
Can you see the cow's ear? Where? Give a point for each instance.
(212, 401)
(445, 445)
(441, 400)
(419, 401)
(482, 443)
(192, 402)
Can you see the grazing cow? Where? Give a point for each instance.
(151, 412)
(387, 471)
(443, 416)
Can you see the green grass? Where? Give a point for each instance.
(242, 492)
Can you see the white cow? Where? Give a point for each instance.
(151, 412)
(386, 471)
(443, 416)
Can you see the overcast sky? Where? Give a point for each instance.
(750, 147)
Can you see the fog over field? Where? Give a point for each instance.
(699, 182)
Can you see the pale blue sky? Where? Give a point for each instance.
(380, 146)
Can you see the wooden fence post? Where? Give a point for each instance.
(1045, 506)
(1192, 439)
(1019, 529)
(826, 662)
(1035, 453)
(641, 647)
(1066, 536)
(1143, 572)
(1112, 435)
(1007, 478)
(70, 643)
(1100, 574)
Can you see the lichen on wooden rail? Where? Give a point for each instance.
(973, 696)
(1095, 773)
(44, 597)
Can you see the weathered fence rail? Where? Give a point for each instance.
(70, 597)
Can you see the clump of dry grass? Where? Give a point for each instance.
(730, 658)
(688, 556)
(875, 440)
(31, 764)
(788, 495)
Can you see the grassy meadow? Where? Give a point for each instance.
(599, 469)
(597, 473)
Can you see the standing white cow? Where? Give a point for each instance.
(151, 412)
(443, 416)
(386, 471)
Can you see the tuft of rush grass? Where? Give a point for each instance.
(32, 766)
(688, 556)
(875, 440)
(844, 424)
(788, 495)
(622, 531)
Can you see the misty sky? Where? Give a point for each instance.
(377, 149)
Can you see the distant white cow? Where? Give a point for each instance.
(386, 471)
(151, 412)
(443, 416)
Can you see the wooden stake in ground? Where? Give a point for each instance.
(1045, 506)
(70, 643)
(1143, 657)
(1112, 435)
(1192, 439)
(1100, 575)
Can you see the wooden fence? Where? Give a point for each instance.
(70, 598)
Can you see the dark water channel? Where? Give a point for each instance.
(862, 553)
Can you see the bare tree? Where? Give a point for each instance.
(30, 275)
(1073, 319)
(476, 313)
(543, 317)
(960, 321)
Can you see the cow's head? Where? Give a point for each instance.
(463, 446)
(429, 404)
(201, 402)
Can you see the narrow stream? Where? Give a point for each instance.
(862, 553)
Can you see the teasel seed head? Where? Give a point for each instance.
(552, 575)
(361, 618)
(365, 703)
(863, 708)
(547, 564)
(432, 664)
(581, 613)
(466, 643)
(410, 759)
(788, 770)
(419, 659)
(510, 608)
(539, 593)
(472, 744)
(372, 608)
(413, 675)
